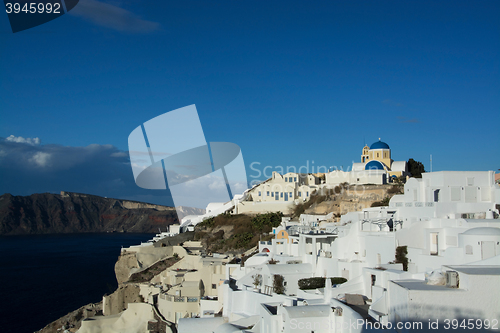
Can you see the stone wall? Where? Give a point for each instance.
(119, 300)
(355, 198)
(125, 263)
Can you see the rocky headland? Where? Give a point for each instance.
(68, 212)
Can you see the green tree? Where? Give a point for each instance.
(279, 284)
(416, 168)
(401, 258)
(257, 280)
(400, 181)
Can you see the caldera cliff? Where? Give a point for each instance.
(80, 213)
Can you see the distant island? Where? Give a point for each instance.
(69, 212)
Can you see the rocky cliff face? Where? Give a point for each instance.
(75, 213)
(352, 198)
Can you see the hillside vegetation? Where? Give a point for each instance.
(227, 232)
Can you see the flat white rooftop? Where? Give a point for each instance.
(412, 284)
(476, 269)
(489, 221)
(308, 311)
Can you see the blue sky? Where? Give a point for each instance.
(288, 81)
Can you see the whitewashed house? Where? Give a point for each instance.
(448, 222)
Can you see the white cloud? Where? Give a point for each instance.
(238, 187)
(138, 167)
(391, 102)
(20, 139)
(104, 170)
(408, 120)
(26, 168)
(41, 159)
(218, 185)
(113, 17)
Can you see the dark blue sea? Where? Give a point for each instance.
(44, 277)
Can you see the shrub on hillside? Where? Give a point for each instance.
(311, 283)
(278, 284)
(401, 252)
(338, 280)
(341, 188)
(318, 282)
(244, 232)
(272, 220)
(314, 199)
(384, 202)
(395, 189)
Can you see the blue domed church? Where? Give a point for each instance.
(378, 157)
(376, 167)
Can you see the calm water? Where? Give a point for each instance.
(44, 277)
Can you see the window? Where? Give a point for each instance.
(286, 179)
(272, 194)
(259, 193)
(377, 154)
(294, 179)
(214, 286)
(436, 195)
(307, 194)
(267, 193)
(300, 194)
(434, 244)
(276, 195)
(470, 181)
(290, 194)
(281, 194)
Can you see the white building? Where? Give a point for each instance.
(448, 223)
(471, 293)
(376, 167)
(279, 193)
